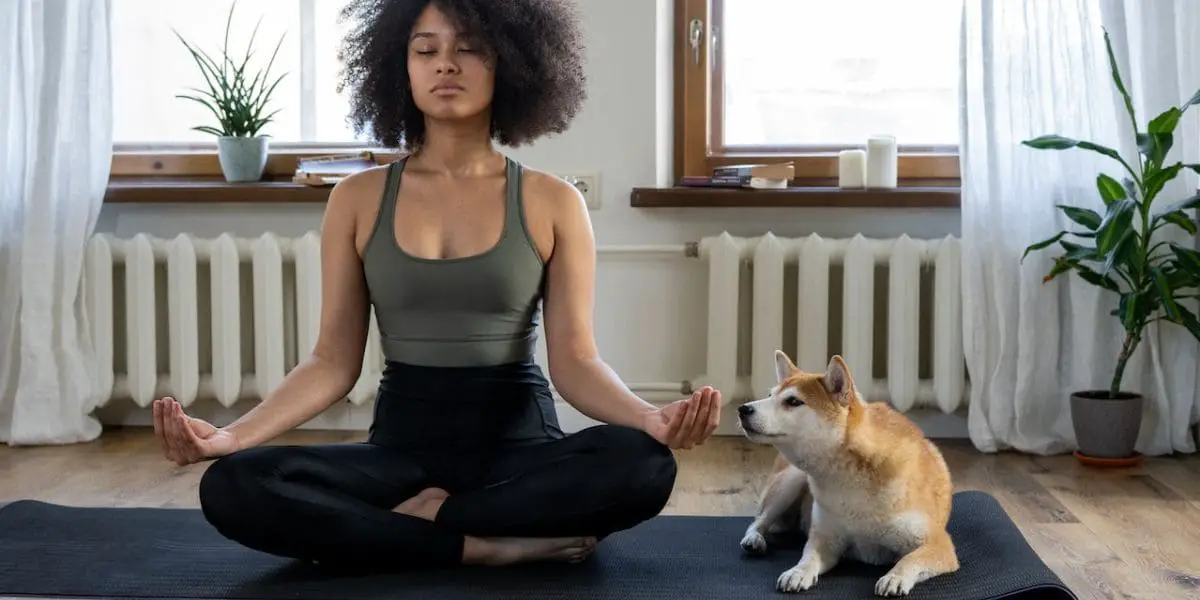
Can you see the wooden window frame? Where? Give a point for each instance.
(697, 114)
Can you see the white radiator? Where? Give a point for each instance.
(218, 344)
(735, 323)
(226, 318)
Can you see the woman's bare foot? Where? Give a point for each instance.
(508, 551)
(424, 505)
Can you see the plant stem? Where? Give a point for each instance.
(1131, 342)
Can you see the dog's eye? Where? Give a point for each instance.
(793, 401)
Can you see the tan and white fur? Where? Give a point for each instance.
(859, 479)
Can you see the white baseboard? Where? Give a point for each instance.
(348, 417)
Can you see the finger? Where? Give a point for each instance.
(177, 439)
(193, 439)
(184, 431)
(674, 421)
(703, 413)
(703, 418)
(686, 420)
(714, 419)
(169, 430)
(158, 427)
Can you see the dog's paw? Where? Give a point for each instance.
(754, 543)
(798, 578)
(895, 584)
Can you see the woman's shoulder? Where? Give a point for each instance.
(550, 193)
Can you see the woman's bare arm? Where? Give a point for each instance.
(580, 375)
(329, 373)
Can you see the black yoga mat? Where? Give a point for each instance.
(52, 550)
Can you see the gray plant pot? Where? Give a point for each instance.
(243, 159)
(1106, 427)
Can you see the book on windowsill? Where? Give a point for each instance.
(328, 170)
(771, 171)
(739, 182)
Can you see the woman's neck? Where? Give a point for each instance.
(456, 149)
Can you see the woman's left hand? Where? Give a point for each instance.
(688, 422)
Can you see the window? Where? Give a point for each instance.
(800, 80)
(151, 66)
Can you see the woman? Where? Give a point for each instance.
(458, 248)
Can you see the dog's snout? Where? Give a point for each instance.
(745, 410)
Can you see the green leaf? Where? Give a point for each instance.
(1097, 279)
(1166, 294)
(1051, 142)
(1116, 77)
(1188, 319)
(1166, 121)
(1159, 178)
(1178, 277)
(1116, 224)
(1083, 216)
(1188, 203)
(1121, 254)
(1110, 189)
(1187, 259)
(1129, 309)
(1180, 219)
(1042, 244)
(1195, 99)
(1155, 146)
(1058, 142)
(1060, 266)
(1076, 252)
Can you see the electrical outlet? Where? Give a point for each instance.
(588, 184)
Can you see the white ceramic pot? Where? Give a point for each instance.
(242, 158)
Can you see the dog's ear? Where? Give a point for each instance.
(837, 379)
(784, 368)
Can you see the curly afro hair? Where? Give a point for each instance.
(536, 47)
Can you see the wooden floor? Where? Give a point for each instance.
(1131, 533)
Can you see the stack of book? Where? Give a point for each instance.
(751, 176)
(328, 170)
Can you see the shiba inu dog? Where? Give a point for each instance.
(860, 479)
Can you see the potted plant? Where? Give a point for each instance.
(237, 98)
(1117, 251)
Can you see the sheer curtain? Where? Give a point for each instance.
(55, 153)
(1034, 67)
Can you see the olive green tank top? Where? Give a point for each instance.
(479, 310)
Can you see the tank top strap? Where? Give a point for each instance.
(514, 211)
(386, 221)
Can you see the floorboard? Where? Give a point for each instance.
(1120, 534)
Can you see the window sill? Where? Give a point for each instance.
(201, 190)
(798, 197)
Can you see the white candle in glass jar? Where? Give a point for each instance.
(882, 162)
(852, 169)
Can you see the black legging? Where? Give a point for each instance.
(507, 467)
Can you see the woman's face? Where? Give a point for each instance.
(450, 76)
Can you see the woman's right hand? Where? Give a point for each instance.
(186, 440)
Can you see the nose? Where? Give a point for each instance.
(745, 410)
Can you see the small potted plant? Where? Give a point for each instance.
(1117, 251)
(237, 98)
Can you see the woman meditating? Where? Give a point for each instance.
(459, 249)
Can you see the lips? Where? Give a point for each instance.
(447, 88)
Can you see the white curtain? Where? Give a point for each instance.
(55, 154)
(1035, 67)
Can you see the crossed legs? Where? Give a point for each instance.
(369, 505)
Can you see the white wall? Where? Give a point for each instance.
(624, 134)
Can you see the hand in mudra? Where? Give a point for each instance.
(686, 423)
(186, 440)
